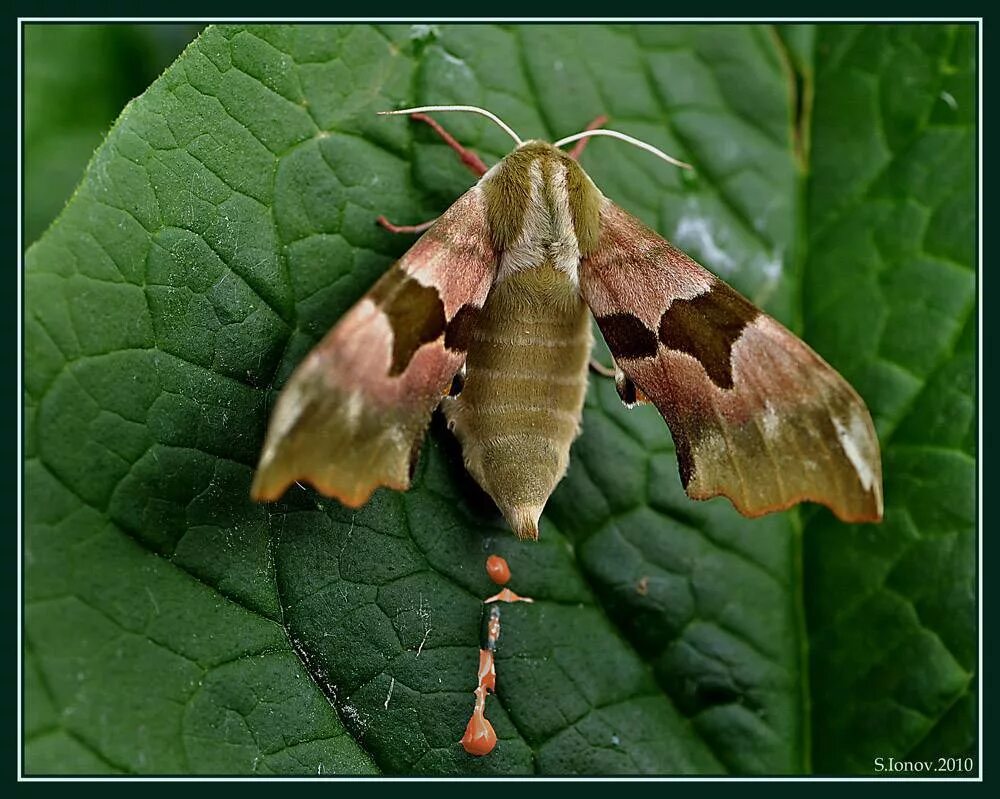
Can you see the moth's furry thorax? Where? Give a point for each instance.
(541, 205)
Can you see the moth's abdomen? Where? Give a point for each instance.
(526, 376)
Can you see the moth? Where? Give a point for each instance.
(487, 317)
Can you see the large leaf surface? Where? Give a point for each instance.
(227, 221)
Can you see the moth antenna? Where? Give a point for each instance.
(473, 109)
(614, 134)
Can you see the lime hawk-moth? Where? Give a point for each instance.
(487, 316)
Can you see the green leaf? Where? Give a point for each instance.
(227, 221)
(891, 217)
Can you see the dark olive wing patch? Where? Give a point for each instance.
(627, 336)
(706, 327)
(415, 313)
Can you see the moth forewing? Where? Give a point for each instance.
(755, 414)
(355, 411)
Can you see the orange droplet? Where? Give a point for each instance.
(497, 569)
(506, 595)
(480, 737)
(487, 671)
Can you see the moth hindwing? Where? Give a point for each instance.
(487, 315)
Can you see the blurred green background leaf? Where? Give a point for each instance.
(227, 220)
(77, 79)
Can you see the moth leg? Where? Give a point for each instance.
(469, 158)
(381, 220)
(599, 368)
(578, 147)
(630, 394)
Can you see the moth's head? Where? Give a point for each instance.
(538, 150)
(537, 146)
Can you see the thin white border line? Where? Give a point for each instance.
(467, 778)
(20, 411)
(981, 683)
(20, 382)
(561, 20)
